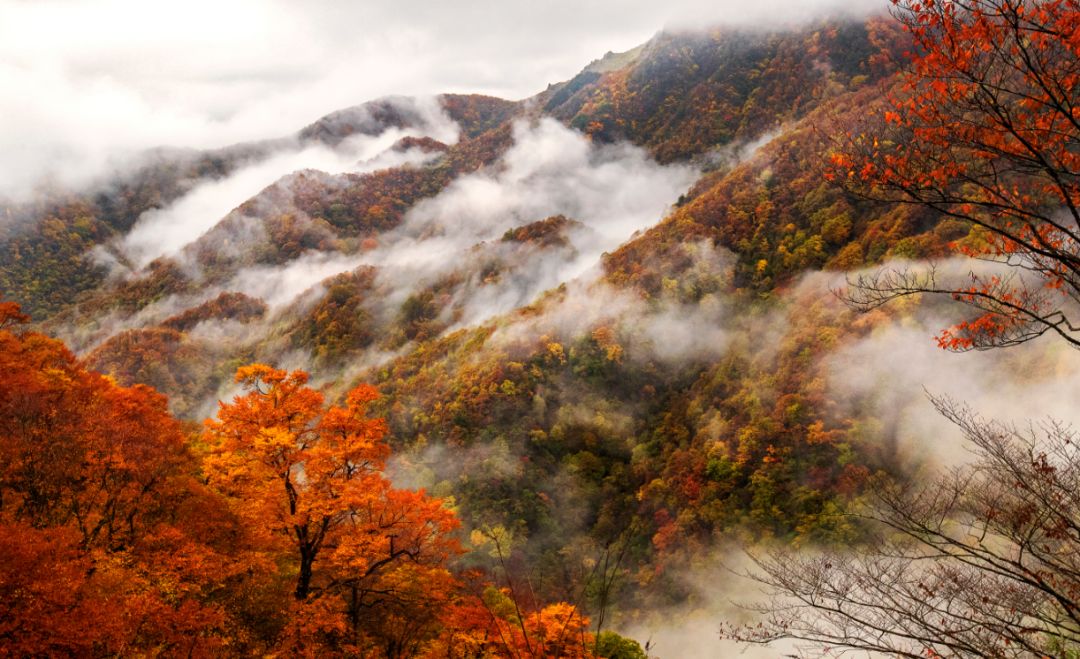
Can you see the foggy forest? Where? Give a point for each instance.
(537, 330)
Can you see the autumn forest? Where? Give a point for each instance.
(757, 338)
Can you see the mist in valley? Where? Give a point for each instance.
(610, 322)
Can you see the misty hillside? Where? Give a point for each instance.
(600, 319)
(564, 289)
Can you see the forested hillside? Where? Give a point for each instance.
(470, 377)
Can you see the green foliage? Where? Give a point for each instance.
(339, 324)
(613, 646)
(45, 266)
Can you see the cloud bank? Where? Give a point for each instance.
(164, 232)
(86, 83)
(612, 191)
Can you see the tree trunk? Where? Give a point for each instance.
(303, 580)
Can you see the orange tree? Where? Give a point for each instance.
(110, 545)
(308, 480)
(985, 132)
(493, 625)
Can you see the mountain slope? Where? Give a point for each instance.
(686, 93)
(589, 313)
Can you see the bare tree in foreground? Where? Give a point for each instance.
(983, 562)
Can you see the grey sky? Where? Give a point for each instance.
(81, 81)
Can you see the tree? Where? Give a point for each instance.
(110, 545)
(494, 625)
(985, 560)
(982, 562)
(309, 481)
(507, 622)
(985, 132)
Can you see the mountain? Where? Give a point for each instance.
(598, 317)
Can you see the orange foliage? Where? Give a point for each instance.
(476, 628)
(114, 544)
(226, 306)
(104, 552)
(308, 482)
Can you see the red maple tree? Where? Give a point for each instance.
(987, 132)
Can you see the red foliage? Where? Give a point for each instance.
(226, 306)
(984, 131)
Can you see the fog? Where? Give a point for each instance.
(891, 373)
(665, 331)
(897, 369)
(612, 191)
(165, 231)
(88, 83)
(551, 170)
(279, 286)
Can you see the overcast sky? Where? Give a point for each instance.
(82, 80)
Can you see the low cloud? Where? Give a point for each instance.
(551, 169)
(280, 286)
(89, 83)
(890, 374)
(733, 153)
(718, 594)
(165, 231)
(612, 191)
(669, 333)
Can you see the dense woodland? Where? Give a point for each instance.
(483, 456)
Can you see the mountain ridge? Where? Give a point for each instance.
(576, 395)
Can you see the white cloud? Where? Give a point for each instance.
(891, 373)
(165, 231)
(613, 191)
(278, 286)
(84, 82)
(895, 369)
